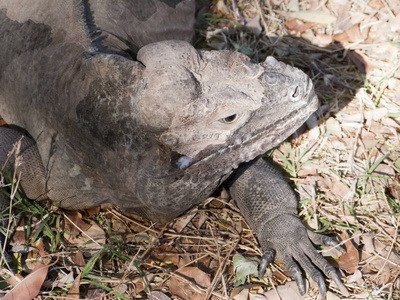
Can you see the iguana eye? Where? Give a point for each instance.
(230, 119)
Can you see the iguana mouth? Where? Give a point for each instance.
(261, 140)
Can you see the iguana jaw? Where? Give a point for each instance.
(258, 141)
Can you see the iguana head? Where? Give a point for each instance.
(217, 103)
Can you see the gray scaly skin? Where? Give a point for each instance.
(120, 108)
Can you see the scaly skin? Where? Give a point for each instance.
(270, 206)
(119, 115)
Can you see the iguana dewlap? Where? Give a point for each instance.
(120, 108)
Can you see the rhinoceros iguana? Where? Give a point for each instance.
(116, 106)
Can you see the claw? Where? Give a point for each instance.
(300, 283)
(322, 287)
(339, 283)
(330, 242)
(319, 239)
(266, 259)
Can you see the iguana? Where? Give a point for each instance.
(115, 105)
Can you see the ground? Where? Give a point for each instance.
(345, 165)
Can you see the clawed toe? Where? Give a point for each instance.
(267, 258)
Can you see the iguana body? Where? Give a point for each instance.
(119, 115)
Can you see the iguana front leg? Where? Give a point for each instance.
(270, 207)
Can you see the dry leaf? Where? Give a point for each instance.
(333, 127)
(375, 114)
(257, 297)
(74, 221)
(253, 24)
(298, 26)
(65, 281)
(375, 4)
(323, 39)
(189, 288)
(331, 296)
(356, 277)
(351, 35)
(86, 241)
(286, 291)
(37, 256)
(183, 221)
(319, 17)
(342, 9)
(157, 295)
(92, 212)
(78, 259)
(394, 189)
(29, 287)
(242, 295)
(350, 260)
(73, 292)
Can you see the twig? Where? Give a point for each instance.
(332, 79)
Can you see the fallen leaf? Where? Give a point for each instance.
(342, 9)
(333, 127)
(331, 296)
(257, 297)
(350, 260)
(351, 35)
(323, 39)
(374, 246)
(29, 287)
(355, 277)
(394, 189)
(244, 266)
(333, 186)
(286, 291)
(319, 17)
(187, 289)
(182, 222)
(37, 256)
(86, 240)
(74, 221)
(92, 212)
(242, 295)
(253, 24)
(63, 281)
(78, 258)
(375, 4)
(73, 292)
(157, 295)
(375, 114)
(298, 26)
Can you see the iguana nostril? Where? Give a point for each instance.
(296, 94)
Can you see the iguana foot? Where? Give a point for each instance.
(294, 247)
